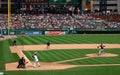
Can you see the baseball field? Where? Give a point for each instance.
(68, 54)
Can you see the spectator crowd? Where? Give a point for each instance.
(84, 21)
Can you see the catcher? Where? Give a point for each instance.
(21, 63)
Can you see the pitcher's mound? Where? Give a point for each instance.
(102, 55)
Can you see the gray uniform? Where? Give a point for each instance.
(101, 49)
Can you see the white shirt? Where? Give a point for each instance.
(35, 58)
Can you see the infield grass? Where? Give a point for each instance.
(60, 55)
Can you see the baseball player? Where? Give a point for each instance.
(101, 49)
(48, 45)
(36, 61)
(14, 43)
(21, 63)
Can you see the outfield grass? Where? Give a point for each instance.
(6, 56)
(69, 39)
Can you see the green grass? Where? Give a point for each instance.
(69, 39)
(6, 56)
(60, 55)
(99, 60)
(106, 70)
(105, 60)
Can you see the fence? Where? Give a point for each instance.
(57, 31)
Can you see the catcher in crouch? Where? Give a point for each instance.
(21, 63)
(101, 49)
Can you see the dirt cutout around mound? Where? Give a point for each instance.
(102, 55)
(57, 65)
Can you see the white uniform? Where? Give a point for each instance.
(36, 61)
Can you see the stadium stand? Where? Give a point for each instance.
(84, 21)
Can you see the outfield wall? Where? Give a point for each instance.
(59, 31)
